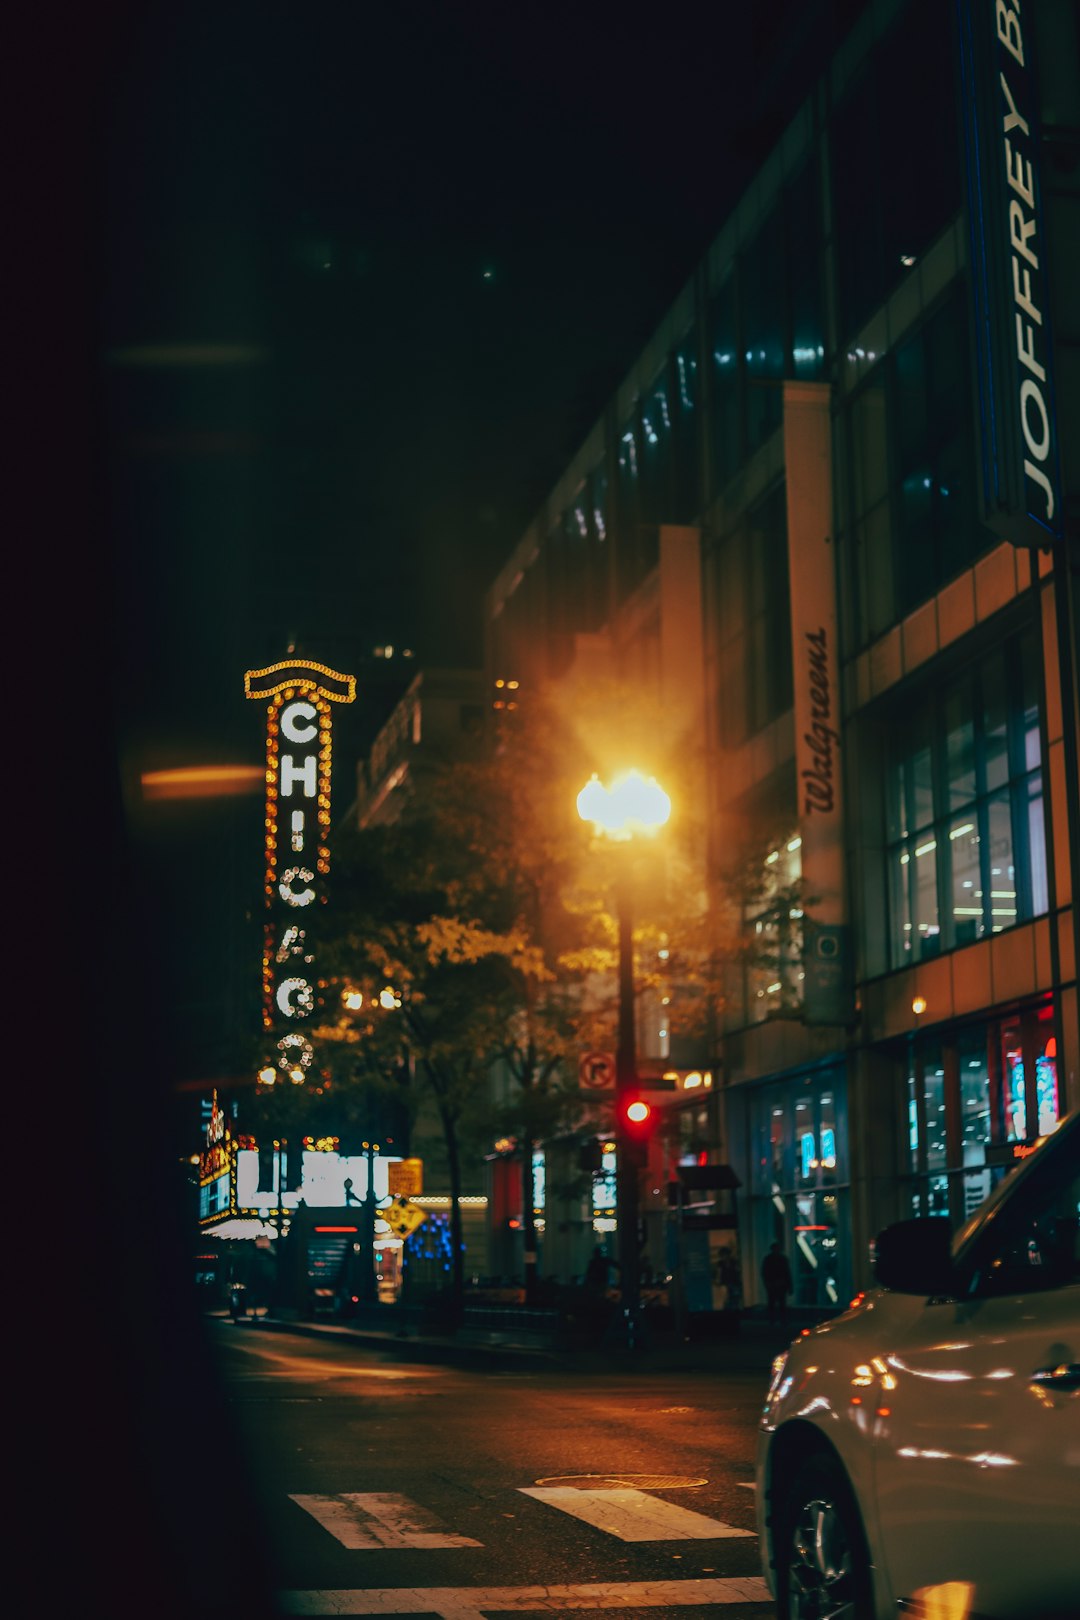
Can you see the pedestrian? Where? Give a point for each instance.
(776, 1275)
(596, 1273)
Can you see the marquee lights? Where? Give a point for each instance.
(298, 693)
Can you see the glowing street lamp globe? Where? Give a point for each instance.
(632, 804)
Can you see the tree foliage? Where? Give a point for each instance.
(490, 911)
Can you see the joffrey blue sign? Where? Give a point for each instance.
(1017, 429)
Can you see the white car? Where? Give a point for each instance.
(920, 1454)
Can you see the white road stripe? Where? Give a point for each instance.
(474, 1602)
(632, 1515)
(363, 1520)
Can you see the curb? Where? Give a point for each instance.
(752, 1354)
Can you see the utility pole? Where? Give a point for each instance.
(280, 1146)
(368, 1283)
(627, 1163)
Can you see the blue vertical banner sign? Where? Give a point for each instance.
(1020, 478)
(299, 694)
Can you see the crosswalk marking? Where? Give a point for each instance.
(364, 1519)
(632, 1515)
(474, 1602)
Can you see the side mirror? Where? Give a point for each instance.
(915, 1257)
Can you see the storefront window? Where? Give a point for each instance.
(934, 1094)
(967, 1093)
(800, 1183)
(1026, 1042)
(974, 1126)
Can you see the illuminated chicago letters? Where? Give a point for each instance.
(298, 755)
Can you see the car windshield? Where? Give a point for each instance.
(1068, 1128)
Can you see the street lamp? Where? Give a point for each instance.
(631, 807)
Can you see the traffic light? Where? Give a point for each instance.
(636, 1120)
(636, 1117)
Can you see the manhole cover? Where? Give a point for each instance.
(611, 1482)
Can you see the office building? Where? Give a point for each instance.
(829, 521)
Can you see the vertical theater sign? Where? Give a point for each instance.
(299, 695)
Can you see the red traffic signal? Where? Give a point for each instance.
(636, 1118)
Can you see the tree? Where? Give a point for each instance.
(490, 911)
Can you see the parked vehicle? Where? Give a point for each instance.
(921, 1452)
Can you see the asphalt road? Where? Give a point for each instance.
(391, 1487)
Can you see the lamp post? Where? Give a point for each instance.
(631, 807)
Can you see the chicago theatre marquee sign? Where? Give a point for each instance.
(299, 694)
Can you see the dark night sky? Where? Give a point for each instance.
(363, 278)
(320, 189)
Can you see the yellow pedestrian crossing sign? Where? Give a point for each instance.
(402, 1217)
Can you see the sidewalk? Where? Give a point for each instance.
(748, 1349)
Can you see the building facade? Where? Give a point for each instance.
(830, 520)
(438, 719)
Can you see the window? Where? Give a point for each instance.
(598, 504)
(665, 443)
(686, 414)
(965, 847)
(933, 473)
(800, 1182)
(966, 1097)
(1026, 1043)
(774, 925)
(896, 179)
(750, 577)
(906, 475)
(657, 451)
(576, 575)
(802, 261)
(628, 471)
(639, 540)
(765, 324)
(763, 276)
(726, 375)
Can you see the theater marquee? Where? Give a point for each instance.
(299, 694)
